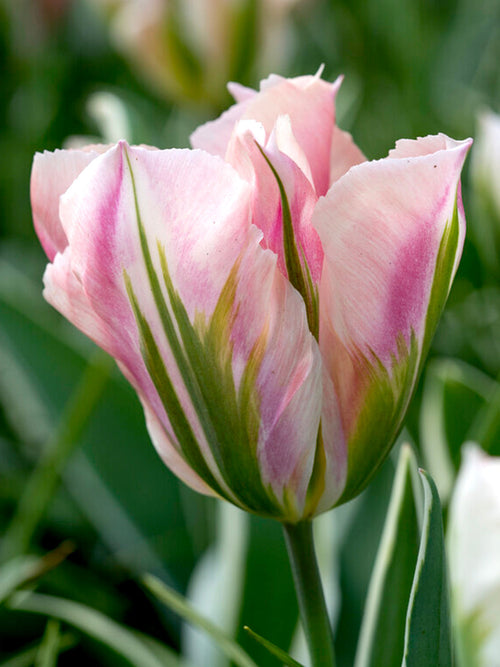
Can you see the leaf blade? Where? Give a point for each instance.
(176, 602)
(381, 639)
(428, 627)
(273, 649)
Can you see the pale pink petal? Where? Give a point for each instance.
(422, 146)
(283, 140)
(271, 81)
(334, 444)
(245, 153)
(240, 93)
(214, 136)
(308, 101)
(289, 379)
(381, 227)
(246, 157)
(345, 154)
(51, 176)
(286, 158)
(64, 291)
(163, 443)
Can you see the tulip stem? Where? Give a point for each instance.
(314, 615)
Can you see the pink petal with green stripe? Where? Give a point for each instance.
(175, 285)
(255, 161)
(392, 234)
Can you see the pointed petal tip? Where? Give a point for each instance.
(337, 83)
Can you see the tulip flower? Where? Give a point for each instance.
(270, 295)
(474, 559)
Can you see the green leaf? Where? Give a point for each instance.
(273, 649)
(178, 603)
(49, 648)
(381, 640)
(94, 624)
(428, 630)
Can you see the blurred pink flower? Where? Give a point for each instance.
(270, 295)
(188, 50)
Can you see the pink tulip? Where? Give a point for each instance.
(270, 295)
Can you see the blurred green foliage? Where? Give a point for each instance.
(412, 67)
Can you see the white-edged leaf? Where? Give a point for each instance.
(428, 628)
(179, 604)
(221, 568)
(381, 639)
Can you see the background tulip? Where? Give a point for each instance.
(188, 50)
(474, 547)
(485, 170)
(486, 158)
(271, 310)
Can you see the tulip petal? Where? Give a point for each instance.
(302, 99)
(51, 176)
(176, 286)
(344, 155)
(392, 233)
(283, 202)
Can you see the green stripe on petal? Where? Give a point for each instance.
(203, 354)
(161, 380)
(443, 276)
(234, 414)
(298, 272)
(381, 416)
(388, 397)
(317, 483)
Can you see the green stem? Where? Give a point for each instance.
(45, 477)
(312, 607)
